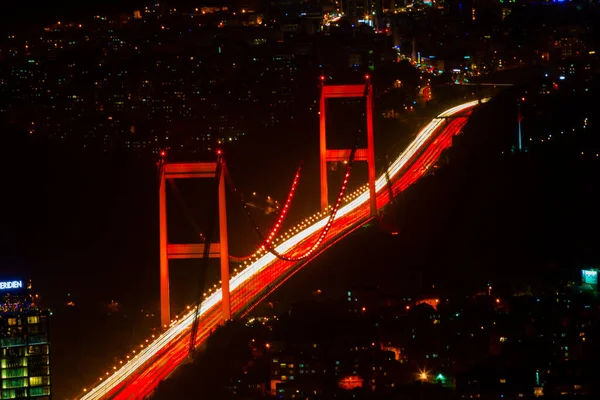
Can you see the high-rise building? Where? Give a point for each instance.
(24, 344)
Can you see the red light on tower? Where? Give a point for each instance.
(322, 78)
(163, 153)
(219, 152)
(367, 77)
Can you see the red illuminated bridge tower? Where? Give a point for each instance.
(328, 155)
(185, 251)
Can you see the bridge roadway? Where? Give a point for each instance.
(141, 375)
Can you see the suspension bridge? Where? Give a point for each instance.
(280, 254)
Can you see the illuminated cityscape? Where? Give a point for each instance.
(300, 199)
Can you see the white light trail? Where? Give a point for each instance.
(186, 321)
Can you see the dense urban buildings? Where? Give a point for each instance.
(189, 79)
(96, 97)
(505, 342)
(24, 343)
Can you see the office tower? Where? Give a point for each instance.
(24, 344)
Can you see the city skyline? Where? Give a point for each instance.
(484, 150)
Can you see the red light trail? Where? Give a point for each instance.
(268, 245)
(139, 376)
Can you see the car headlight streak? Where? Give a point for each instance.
(179, 327)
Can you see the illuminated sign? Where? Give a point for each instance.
(589, 276)
(11, 285)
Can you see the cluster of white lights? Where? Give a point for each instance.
(290, 239)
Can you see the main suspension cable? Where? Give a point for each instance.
(268, 245)
(282, 214)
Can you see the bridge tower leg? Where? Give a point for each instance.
(364, 154)
(224, 248)
(196, 250)
(371, 151)
(165, 295)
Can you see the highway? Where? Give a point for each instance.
(139, 376)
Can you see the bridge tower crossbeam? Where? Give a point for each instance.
(170, 251)
(364, 154)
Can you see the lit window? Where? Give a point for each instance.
(14, 372)
(35, 381)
